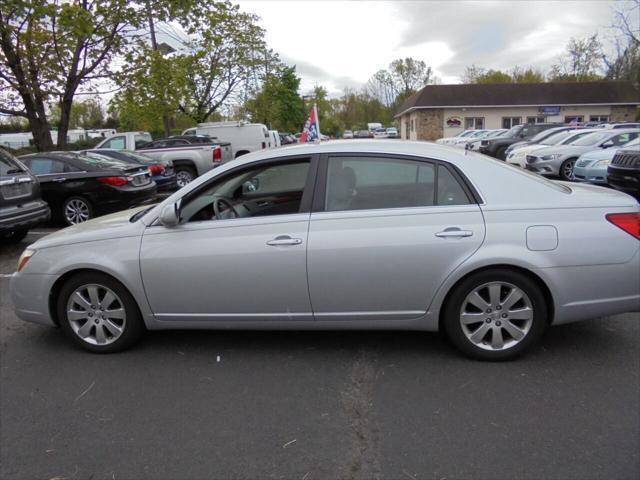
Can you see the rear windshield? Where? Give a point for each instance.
(8, 164)
(96, 161)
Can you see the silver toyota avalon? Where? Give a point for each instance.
(357, 235)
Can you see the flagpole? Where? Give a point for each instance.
(315, 110)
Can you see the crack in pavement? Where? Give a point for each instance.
(357, 402)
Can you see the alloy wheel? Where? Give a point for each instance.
(567, 169)
(96, 314)
(183, 177)
(496, 316)
(76, 211)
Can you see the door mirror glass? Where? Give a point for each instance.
(170, 215)
(607, 144)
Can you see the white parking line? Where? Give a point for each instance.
(6, 275)
(31, 232)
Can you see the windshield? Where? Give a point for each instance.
(513, 131)
(556, 138)
(573, 136)
(591, 139)
(633, 143)
(542, 136)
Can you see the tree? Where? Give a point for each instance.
(86, 113)
(278, 104)
(409, 75)
(227, 49)
(581, 62)
(528, 75)
(52, 48)
(625, 65)
(381, 86)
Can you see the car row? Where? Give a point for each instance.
(375, 235)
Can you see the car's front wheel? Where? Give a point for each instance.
(98, 313)
(495, 315)
(566, 170)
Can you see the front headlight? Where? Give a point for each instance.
(554, 156)
(601, 163)
(24, 258)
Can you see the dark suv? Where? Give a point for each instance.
(497, 147)
(20, 205)
(624, 171)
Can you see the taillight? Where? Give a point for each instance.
(217, 155)
(156, 169)
(264, 145)
(113, 181)
(629, 222)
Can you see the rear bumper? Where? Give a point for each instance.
(125, 198)
(24, 216)
(165, 183)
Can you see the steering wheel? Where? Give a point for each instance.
(223, 201)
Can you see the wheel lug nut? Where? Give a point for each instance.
(498, 323)
(90, 314)
(498, 307)
(488, 310)
(488, 320)
(504, 315)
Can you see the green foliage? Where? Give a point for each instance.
(86, 113)
(582, 62)
(278, 104)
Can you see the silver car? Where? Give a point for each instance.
(364, 235)
(592, 166)
(558, 160)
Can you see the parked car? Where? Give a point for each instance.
(592, 166)
(347, 134)
(518, 157)
(161, 172)
(380, 133)
(80, 187)
(392, 132)
(274, 139)
(558, 160)
(448, 140)
(377, 234)
(620, 125)
(287, 139)
(190, 159)
(244, 137)
(497, 147)
(539, 138)
(363, 134)
(21, 207)
(474, 143)
(624, 172)
(462, 142)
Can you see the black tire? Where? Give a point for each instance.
(501, 153)
(566, 165)
(13, 236)
(453, 309)
(133, 327)
(79, 204)
(185, 175)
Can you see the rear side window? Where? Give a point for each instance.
(46, 166)
(362, 183)
(116, 143)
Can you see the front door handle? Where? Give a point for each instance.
(59, 179)
(284, 240)
(454, 232)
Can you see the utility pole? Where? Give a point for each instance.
(154, 46)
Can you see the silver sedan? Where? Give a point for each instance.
(358, 235)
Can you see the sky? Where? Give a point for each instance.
(341, 44)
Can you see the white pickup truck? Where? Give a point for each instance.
(191, 156)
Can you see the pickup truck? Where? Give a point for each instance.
(190, 159)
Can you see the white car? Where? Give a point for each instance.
(380, 133)
(477, 135)
(392, 132)
(449, 140)
(347, 134)
(244, 137)
(474, 143)
(518, 157)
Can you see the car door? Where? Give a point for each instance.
(214, 267)
(384, 234)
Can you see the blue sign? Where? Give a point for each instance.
(549, 110)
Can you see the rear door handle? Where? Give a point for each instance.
(284, 240)
(454, 232)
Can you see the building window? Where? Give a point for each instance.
(538, 119)
(508, 122)
(574, 119)
(599, 118)
(406, 129)
(412, 125)
(474, 123)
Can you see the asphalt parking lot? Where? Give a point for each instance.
(316, 405)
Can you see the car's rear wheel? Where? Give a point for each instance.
(76, 210)
(13, 236)
(495, 315)
(501, 154)
(98, 313)
(566, 169)
(185, 175)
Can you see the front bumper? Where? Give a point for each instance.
(625, 180)
(30, 297)
(24, 216)
(595, 175)
(545, 167)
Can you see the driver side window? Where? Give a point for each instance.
(261, 190)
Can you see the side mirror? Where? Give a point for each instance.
(607, 144)
(170, 215)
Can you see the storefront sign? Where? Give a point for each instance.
(549, 110)
(454, 122)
